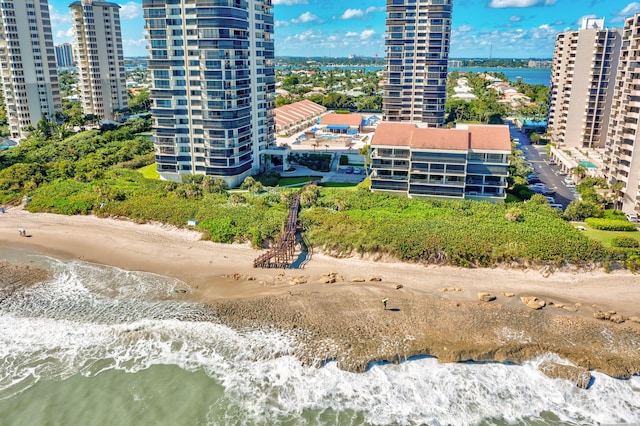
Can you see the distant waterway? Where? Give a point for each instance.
(527, 75)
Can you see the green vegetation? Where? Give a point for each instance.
(98, 173)
(318, 162)
(461, 233)
(607, 237)
(149, 171)
(611, 225)
(297, 180)
(624, 241)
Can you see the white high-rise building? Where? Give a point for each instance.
(28, 61)
(417, 48)
(623, 139)
(99, 55)
(213, 86)
(582, 80)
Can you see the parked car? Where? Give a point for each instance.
(632, 217)
(358, 170)
(348, 170)
(533, 179)
(557, 206)
(568, 180)
(551, 200)
(548, 191)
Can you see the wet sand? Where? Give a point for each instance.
(437, 310)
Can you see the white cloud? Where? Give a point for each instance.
(503, 42)
(359, 13)
(351, 34)
(465, 28)
(65, 34)
(131, 10)
(288, 2)
(515, 18)
(305, 17)
(631, 9)
(367, 34)
(280, 24)
(135, 43)
(352, 13)
(58, 18)
(498, 4)
(372, 9)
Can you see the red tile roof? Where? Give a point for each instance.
(480, 137)
(297, 111)
(342, 119)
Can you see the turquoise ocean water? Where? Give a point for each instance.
(100, 346)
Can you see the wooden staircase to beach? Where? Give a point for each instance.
(282, 252)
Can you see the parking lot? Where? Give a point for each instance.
(546, 172)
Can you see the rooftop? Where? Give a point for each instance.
(342, 119)
(480, 137)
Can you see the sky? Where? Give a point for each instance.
(339, 28)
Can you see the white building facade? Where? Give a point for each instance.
(623, 141)
(417, 49)
(27, 57)
(582, 82)
(213, 87)
(100, 58)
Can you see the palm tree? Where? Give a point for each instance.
(364, 151)
(617, 194)
(579, 172)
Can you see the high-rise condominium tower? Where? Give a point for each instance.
(64, 55)
(417, 49)
(98, 52)
(623, 140)
(213, 85)
(28, 61)
(582, 80)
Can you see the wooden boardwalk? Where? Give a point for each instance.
(281, 253)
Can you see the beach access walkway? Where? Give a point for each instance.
(281, 254)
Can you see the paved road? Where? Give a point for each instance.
(549, 175)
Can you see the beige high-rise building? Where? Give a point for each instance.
(99, 56)
(623, 146)
(582, 80)
(417, 47)
(28, 65)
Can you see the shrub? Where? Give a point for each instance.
(344, 160)
(513, 214)
(579, 210)
(610, 225)
(623, 241)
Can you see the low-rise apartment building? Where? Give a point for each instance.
(469, 162)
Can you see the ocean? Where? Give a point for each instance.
(96, 345)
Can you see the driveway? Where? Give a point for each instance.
(549, 175)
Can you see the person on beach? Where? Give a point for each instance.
(22, 232)
(384, 303)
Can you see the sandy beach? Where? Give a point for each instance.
(436, 311)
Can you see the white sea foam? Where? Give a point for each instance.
(79, 324)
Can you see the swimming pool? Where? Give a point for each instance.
(588, 165)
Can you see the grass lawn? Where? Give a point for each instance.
(339, 184)
(149, 172)
(605, 237)
(297, 180)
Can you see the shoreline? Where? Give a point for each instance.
(344, 319)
